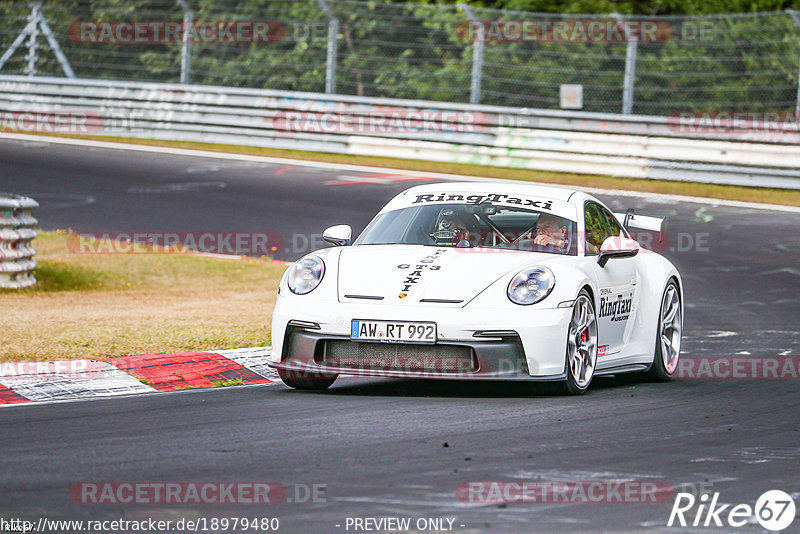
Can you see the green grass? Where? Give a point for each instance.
(226, 383)
(103, 305)
(57, 276)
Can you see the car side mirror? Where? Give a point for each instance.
(617, 247)
(338, 235)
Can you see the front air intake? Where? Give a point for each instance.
(440, 359)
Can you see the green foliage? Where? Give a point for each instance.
(646, 7)
(419, 51)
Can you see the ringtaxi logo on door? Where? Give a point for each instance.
(774, 510)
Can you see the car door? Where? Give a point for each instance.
(616, 282)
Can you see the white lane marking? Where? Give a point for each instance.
(203, 169)
(372, 179)
(360, 168)
(755, 455)
(789, 270)
(177, 187)
(721, 333)
(580, 474)
(220, 256)
(50, 201)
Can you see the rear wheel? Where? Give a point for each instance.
(581, 345)
(306, 380)
(668, 336)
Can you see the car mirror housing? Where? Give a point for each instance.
(617, 247)
(338, 235)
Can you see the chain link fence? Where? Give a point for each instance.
(649, 66)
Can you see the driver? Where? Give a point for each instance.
(551, 230)
(453, 228)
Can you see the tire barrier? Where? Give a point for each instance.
(17, 232)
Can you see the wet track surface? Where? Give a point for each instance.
(379, 445)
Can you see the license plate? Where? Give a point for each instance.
(393, 331)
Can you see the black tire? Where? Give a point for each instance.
(572, 386)
(306, 380)
(658, 371)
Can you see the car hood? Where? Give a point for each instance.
(398, 274)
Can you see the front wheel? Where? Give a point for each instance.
(581, 346)
(668, 336)
(306, 379)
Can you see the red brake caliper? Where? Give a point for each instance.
(583, 336)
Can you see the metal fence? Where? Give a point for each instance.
(633, 146)
(16, 233)
(651, 66)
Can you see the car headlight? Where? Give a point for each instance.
(531, 285)
(305, 275)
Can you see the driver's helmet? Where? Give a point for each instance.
(452, 226)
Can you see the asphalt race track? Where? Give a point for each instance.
(401, 448)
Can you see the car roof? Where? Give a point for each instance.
(540, 190)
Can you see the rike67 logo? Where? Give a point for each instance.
(774, 510)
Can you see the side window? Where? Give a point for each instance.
(597, 228)
(613, 224)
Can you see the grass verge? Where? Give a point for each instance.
(101, 305)
(723, 192)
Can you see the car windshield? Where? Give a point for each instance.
(473, 226)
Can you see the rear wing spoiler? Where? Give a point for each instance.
(641, 222)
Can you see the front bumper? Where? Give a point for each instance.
(320, 354)
(533, 347)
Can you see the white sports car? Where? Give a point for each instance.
(481, 281)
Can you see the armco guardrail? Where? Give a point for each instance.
(590, 143)
(17, 260)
